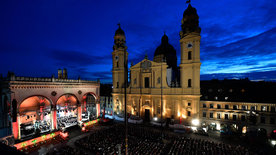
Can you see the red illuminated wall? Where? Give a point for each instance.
(79, 113)
(32, 117)
(15, 129)
(39, 139)
(98, 110)
(55, 119)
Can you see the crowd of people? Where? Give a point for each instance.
(103, 141)
(190, 146)
(143, 140)
(67, 150)
(112, 141)
(146, 141)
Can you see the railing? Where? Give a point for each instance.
(46, 79)
(37, 140)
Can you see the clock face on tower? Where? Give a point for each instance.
(116, 57)
(189, 45)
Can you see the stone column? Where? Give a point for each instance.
(41, 113)
(98, 107)
(16, 128)
(54, 117)
(19, 130)
(79, 112)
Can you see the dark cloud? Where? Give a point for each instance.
(79, 58)
(260, 76)
(260, 45)
(106, 76)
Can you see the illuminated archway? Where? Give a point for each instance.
(67, 111)
(89, 107)
(35, 116)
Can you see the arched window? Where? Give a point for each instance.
(190, 55)
(190, 83)
(117, 64)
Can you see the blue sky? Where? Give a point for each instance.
(38, 37)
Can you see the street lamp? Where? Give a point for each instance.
(161, 80)
(125, 89)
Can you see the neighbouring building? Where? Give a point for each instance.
(238, 105)
(106, 101)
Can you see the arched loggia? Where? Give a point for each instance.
(35, 116)
(67, 111)
(89, 107)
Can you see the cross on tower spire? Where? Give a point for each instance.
(119, 24)
(188, 1)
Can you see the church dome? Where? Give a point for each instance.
(165, 51)
(165, 48)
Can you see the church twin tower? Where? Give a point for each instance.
(160, 82)
(119, 50)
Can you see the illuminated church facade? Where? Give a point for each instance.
(160, 85)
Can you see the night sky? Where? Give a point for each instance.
(39, 36)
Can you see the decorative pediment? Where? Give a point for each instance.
(145, 64)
